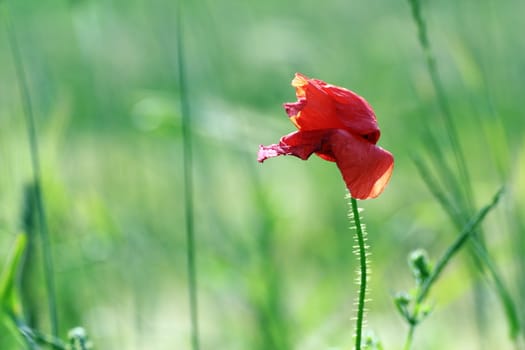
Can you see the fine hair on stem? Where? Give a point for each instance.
(361, 252)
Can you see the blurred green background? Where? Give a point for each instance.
(274, 253)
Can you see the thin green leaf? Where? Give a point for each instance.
(7, 279)
(467, 231)
(505, 297)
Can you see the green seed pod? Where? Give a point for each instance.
(420, 265)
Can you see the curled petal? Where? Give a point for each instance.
(293, 108)
(365, 167)
(298, 143)
(328, 106)
(271, 151)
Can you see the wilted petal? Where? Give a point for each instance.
(339, 126)
(270, 151)
(325, 106)
(366, 168)
(293, 108)
(300, 144)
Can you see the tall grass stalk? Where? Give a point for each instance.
(360, 238)
(28, 270)
(268, 297)
(188, 182)
(460, 205)
(458, 243)
(465, 234)
(34, 338)
(479, 251)
(30, 342)
(11, 312)
(35, 165)
(442, 100)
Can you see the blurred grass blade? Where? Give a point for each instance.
(33, 338)
(268, 300)
(35, 164)
(433, 185)
(480, 254)
(508, 304)
(10, 304)
(447, 203)
(442, 100)
(464, 197)
(18, 329)
(467, 232)
(188, 182)
(446, 174)
(29, 272)
(7, 279)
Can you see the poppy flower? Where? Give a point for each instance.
(339, 126)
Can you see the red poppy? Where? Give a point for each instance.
(339, 126)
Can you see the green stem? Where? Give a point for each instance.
(443, 102)
(466, 233)
(363, 273)
(188, 185)
(25, 332)
(35, 164)
(468, 230)
(34, 337)
(410, 337)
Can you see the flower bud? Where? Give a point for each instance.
(420, 265)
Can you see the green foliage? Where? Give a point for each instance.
(274, 257)
(9, 298)
(459, 200)
(188, 180)
(411, 306)
(420, 266)
(78, 339)
(372, 343)
(38, 201)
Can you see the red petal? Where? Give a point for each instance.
(331, 107)
(299, 144)
(293, 108)
(366, 168)
(271, 151)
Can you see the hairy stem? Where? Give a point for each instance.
(363, 273)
